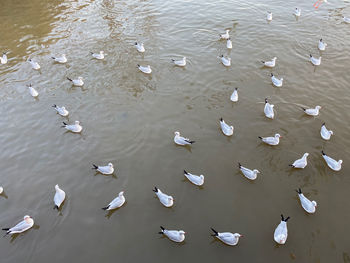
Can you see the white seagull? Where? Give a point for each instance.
(76, 127)
(226, 129)
(309, 206)
(227, 237)
(145, 69)
(281, 231)
(22, 226)
(234, 95)
(173, 235)
(275, 81)
(229, 43)
(226, 35)
(312, 112)
(322, 45)
(165, 199)
(297, 12)
(315, 61)
(271, 140)
(35, 65)
(108, 169)
(3, 59)
(325, 134)
(271, 63)
(225, 61)
(1, 190)
(178, 139)
(139, 46)
(32, 91)
(77, 82)
(333, 164)
(99, 55)
(300, 163)
(180, 63)
(195, 179)
(62, 59)
(59, 197)
(116, 202)
(269, 16)
(268, 110)
(346, 19)
(250, 174)
(61, 110)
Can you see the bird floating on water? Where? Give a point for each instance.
(268, 110)
(62, 59)
(297, 12)
(250, 174)
(309, 206)
(234, 95)
(61, 110)
(178, 139)
(315, 61)
(312, 112)
(22, 226)
(346, 19)
(166, 200)
(269, 16)
(59, 197)
(325, 134)
(225, 128)
(281, 231)
(271, 63)
(99, 55)
(174, 235)
(77, 82)
(3, 59)
(322, 45)
(300, 163)
(139, 46)
(226, 35)
(35, 65)
(195, 179)
(180, 63)
(32, 91)
(229, 43)
(1, 190)
(275, 81)
(108, 169)
(116, 202)
(225, 61)
(333, 164)
(145, 69)
(76, 127)
(227, 237)
(271, 140)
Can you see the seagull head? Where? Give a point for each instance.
(306, 154)
(237, 235)
(177, 133)
(182, 232)
(121, 194)
(201, 176)
(184, 58)
(340, 161)
(80, 78)
(331, 132)
(256, 171)
(57, 187)
(318, 107)
(63, 55)
(271, 74)
(314, 203)
(277, 135)
(101, 52)
(63, 108)
(110, 165)
(274, 58)
(227, 30)
(76, 122)
(26, 217)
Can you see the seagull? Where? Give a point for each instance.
(271, 140)
(139, 46)
(268, 110)
(281, 231)
(225, 61)
(22, 226)
(173, 235)
(195, 179)
(99, 56)
(35, 65)
(300, 163)
(181, 140)
(76, 127)
(61, 110)
(62, 59)
(32, 91)
(250, 174)
(227, 237)
(59, 197)
(165, 199)
(77, 82)
(229, 43)
(116, 202)
(269, 16)
(3, 59)
(1, 190)
(108, 169)
(333, 164)
(309, 206)
(297, 12)
(234, 96)
(226, 129)
(180, 63)
(277, 82)
(322, 45)
(325, 134)
(145, 69)
(315, 61)
(271, 63)
(346, 19)
(226, 35)
(312, 112)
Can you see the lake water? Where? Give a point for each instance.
(129, 119)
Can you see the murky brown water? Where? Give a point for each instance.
(129, 119)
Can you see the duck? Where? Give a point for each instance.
(166, 200)
(300, 163)
(309, 206)
(325, 134)
(333, 164)
(250, 174)
(281, 231)
(174, 235)
(116, 202)
(195, 179)
(107, 170)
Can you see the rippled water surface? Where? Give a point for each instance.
(129, 119)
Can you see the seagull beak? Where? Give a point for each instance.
(241, 236)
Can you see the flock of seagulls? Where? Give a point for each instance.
(231, 239)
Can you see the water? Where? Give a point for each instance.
(129, 119)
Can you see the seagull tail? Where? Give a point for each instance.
(239, 165)
(298, 191)
(6, 229)
(94, 166)
(287, 219)
(215, 232)
(260, 137)
(191, 142)
(64, 124)
(55, 207)
(262, 61)
(221, 119)
(105, 208)
(323, 124)
(155, 190)
(173, 60)
(303, 108)
(91, 52)
(54, 106)
(53, 57)
(185, 172)
(291, 165)
(282, 217)
(69, 79)
(162, 228)
(323, 152)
